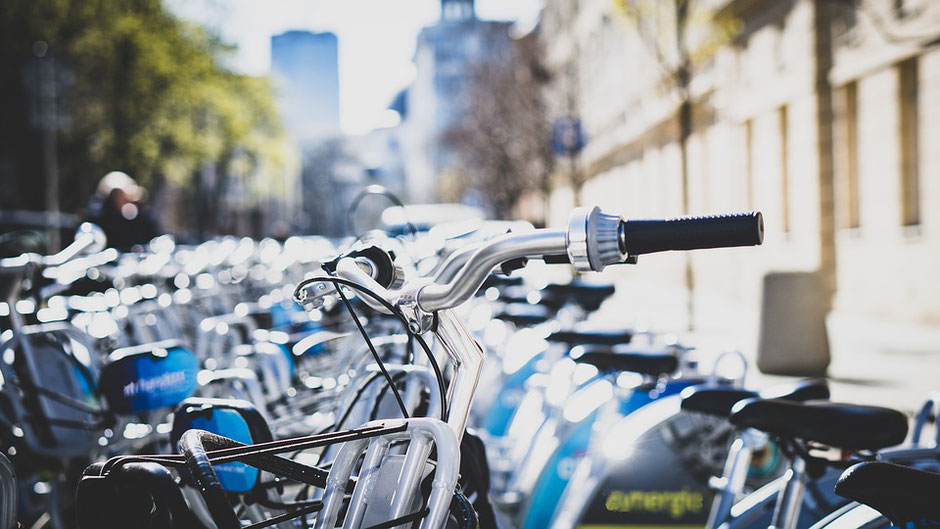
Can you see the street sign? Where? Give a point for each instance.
(567, 136)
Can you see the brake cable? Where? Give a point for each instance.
(378, 401)
(375, 354)
(300, 295)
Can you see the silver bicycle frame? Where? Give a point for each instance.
(731, 483)
(430, 307)
(395, 492)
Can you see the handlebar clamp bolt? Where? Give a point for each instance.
(419, 320)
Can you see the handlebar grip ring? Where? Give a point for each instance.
(593, 240)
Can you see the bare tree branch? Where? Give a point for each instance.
(503, 141)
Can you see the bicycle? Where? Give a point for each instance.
(395, 453)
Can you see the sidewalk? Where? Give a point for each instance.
(890, 364)
(873, 362)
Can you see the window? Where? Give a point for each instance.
(849, 211)
(909, 148)
(783, 120)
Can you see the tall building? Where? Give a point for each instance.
(444, 56)
(305, 68)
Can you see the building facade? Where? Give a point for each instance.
(816, 112)
(444, 55)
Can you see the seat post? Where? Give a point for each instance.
(731, 482)
(789, 500)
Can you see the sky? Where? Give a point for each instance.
(376, 40)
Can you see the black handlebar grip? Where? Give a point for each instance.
(691, 233)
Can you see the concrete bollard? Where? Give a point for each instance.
(793, 339)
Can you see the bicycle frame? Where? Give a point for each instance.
(395, 456)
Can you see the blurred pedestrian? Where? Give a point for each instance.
(279, 230)
(119, 206)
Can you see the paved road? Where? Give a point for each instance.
(873, 362)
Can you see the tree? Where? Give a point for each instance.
(680, 34)
(329, 172)
(139, 91)
(503, 138)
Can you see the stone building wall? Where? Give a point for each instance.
(770, 128)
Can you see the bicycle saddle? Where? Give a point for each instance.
(594, 337)
(133, 494)
(846, 426)
(719, 401)
(495, 280)
(588, 296)
(900, 493)
(609, 359)
(523, 314)
(514, 294)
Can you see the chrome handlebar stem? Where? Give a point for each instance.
(590, 243)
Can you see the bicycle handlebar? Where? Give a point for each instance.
(89, 239)
(692, 233)
(197, 461)
(592, 241)
(478, 266)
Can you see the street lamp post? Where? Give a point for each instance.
(48, 124)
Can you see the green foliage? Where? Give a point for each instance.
(139, 91)
(681, 34)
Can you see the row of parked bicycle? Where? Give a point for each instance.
(425, 380)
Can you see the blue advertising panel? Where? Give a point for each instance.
(149, 380)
